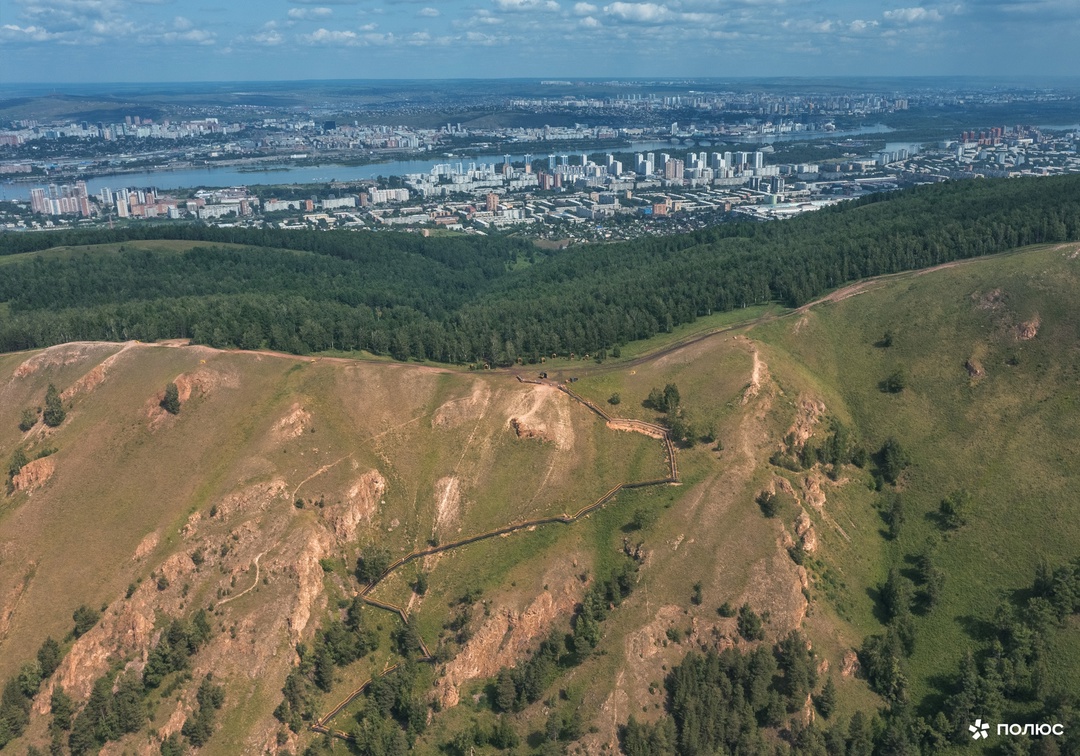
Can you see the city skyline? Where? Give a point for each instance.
(89, 41)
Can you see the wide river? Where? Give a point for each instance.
(187, 178)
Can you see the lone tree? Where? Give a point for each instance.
(54, 410)
(895, 383)
(28, 419)
(171, 402)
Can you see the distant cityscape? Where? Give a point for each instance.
(581, 161)
(576, 195)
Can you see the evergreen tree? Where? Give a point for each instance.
(49, 657)
(63, 708)
(826, 700)
(28, 419)
(54, 409)
(171, 402)
(85, 618)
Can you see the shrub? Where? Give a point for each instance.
(18, 461)
(54, 410)
(171, 402)
(371, 565)
(642, 518)
(770, 505)
(750, 625)
(85, 618)
(28, 420)
(895, 382)
(953, 509)
(893, 459)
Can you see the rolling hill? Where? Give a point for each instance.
(286, 485)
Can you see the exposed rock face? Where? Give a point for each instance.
(503, 639)
(804, 528)
(360, 505)
(849, 666)
(34, 474)
(1028, 330)
(293, 424)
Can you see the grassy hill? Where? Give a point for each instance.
(279, 473)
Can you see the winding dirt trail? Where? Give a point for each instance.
(321, 725)
(250, 588)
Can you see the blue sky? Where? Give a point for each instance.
(191, 40)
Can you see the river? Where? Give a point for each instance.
(188, 178)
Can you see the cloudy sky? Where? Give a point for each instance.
(188, 40)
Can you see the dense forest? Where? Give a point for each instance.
(760, 701)
(495, 299)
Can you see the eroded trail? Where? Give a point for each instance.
(321, 725)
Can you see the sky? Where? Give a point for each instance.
(231, 40)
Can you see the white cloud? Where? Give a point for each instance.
(916, 15)
(485, 40)
(94, 22)
(645, 13)
(25, 33)
(858, 25)
(585, 9)
(302, 13)
(331, 37)
(589, 22)
(429, 12)
(806, 25)
(269, 38)
(527, 5)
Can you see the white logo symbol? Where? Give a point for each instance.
(979, 730)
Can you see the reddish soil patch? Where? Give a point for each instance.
(505, 636)
(34, 474)
(360, 505)
(1028, 330)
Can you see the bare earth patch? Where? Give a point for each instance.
(505, 636)
(809, 414)
(447, 504)
(759, 375)
(60, 356)
(199, 383)
(95, 376)
(360, 505)
(34, 474)
(1029, 329)
(992, 300)
(11, 603)
(145, 547)
(293, 424)
(804, 529)
(542, 413)
(308, 574)
(464, 409)
(253, 499)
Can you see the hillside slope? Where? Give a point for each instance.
(285, 483)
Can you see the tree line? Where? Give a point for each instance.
(496, 300)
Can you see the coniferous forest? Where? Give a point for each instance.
(495, 299)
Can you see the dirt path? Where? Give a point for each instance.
(321, 725)
(317, 473)
(248, 589)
